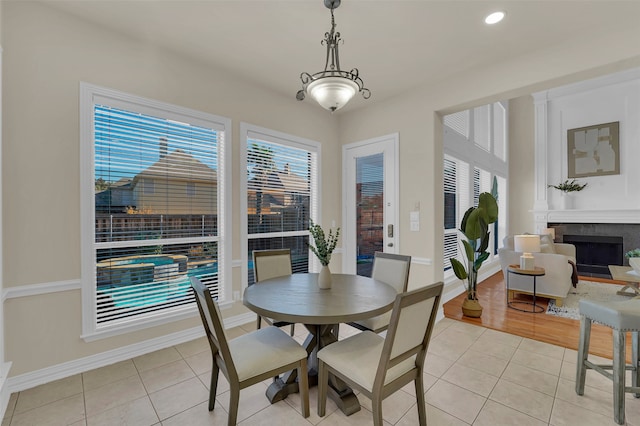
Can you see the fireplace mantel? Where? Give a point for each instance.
(542, 217)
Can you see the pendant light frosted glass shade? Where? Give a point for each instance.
(332, 93)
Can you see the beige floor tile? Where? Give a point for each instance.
(436, 365)
(494, 414)
(166, 375)
(593, 399)
(567, 414)
(280, 413)
(193, 347)
(47, 393)
(441, 325)
(252, 400)
(570, 355)
(470, 329)
(455, 400)
(82, 422)
(156, 359)
(138, 412)
(394, 407)
(530, 378)
(294, 401)
(542, 348)
(450, 344)
(114, 394)
(60, 412)
(489, 347)
(427, 380)
(472, 379)
(494, 336)
(108, 374)
(486, 363)
(223, 384)
(435, 417)
(533, 403)
(198, 416)
(363, 417)
(179, 397)
(539, 362)
(200, 363)
(232, 333)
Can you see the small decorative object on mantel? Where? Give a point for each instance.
(475, 227)
(568, 186)
(324, 246)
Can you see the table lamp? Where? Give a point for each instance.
(527, 244)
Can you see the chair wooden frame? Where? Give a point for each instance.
(389, 358)
(223, 360)
(406, 260)
(257, 255)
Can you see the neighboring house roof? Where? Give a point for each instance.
(178, 165)
(280, 181)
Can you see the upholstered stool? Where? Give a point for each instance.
(622, 317)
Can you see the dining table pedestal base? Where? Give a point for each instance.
(319, 336)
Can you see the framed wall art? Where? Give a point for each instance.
(594, 150)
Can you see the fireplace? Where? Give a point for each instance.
(594, 253)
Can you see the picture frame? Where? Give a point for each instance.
(594, 150)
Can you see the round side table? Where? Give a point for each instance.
(535, 273)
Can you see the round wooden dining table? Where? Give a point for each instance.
(298, 299)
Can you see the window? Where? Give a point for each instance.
(143, 237)
(475, 153)
(280, 187)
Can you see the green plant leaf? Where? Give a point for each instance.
(478, 262)
(458, 269)
(468, 250)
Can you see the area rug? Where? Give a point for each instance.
(584, 290)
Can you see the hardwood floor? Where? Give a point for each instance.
(542, 327)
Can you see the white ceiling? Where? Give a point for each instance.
(396, 44)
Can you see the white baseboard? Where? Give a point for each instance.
(45, 375)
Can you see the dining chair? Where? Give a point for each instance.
(378, 366)
(250, 358)
(272, 264)
(391, 269)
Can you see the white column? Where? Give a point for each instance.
(541, 204)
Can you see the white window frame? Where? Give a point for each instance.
(284, 139)
(462, 147)
(89, 96)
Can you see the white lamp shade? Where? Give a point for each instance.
(332, 93)
(527, 243)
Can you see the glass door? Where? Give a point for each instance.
(371, 193)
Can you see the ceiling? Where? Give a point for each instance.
(396, 44)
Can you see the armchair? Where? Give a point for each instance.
(554, 258)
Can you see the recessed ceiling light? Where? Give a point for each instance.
(494, 18)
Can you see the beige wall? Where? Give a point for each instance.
(47, 54)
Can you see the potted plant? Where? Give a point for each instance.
(634, 259)
(323, 248)
(475, 227)
(568, 186)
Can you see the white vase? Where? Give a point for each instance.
(566, 201)
(324, 279)
(634, 262)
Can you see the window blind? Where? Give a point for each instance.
(156, 212)
(459, 122)
(280, 192)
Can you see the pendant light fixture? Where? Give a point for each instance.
(332, 88)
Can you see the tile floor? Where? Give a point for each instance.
(474, 376)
